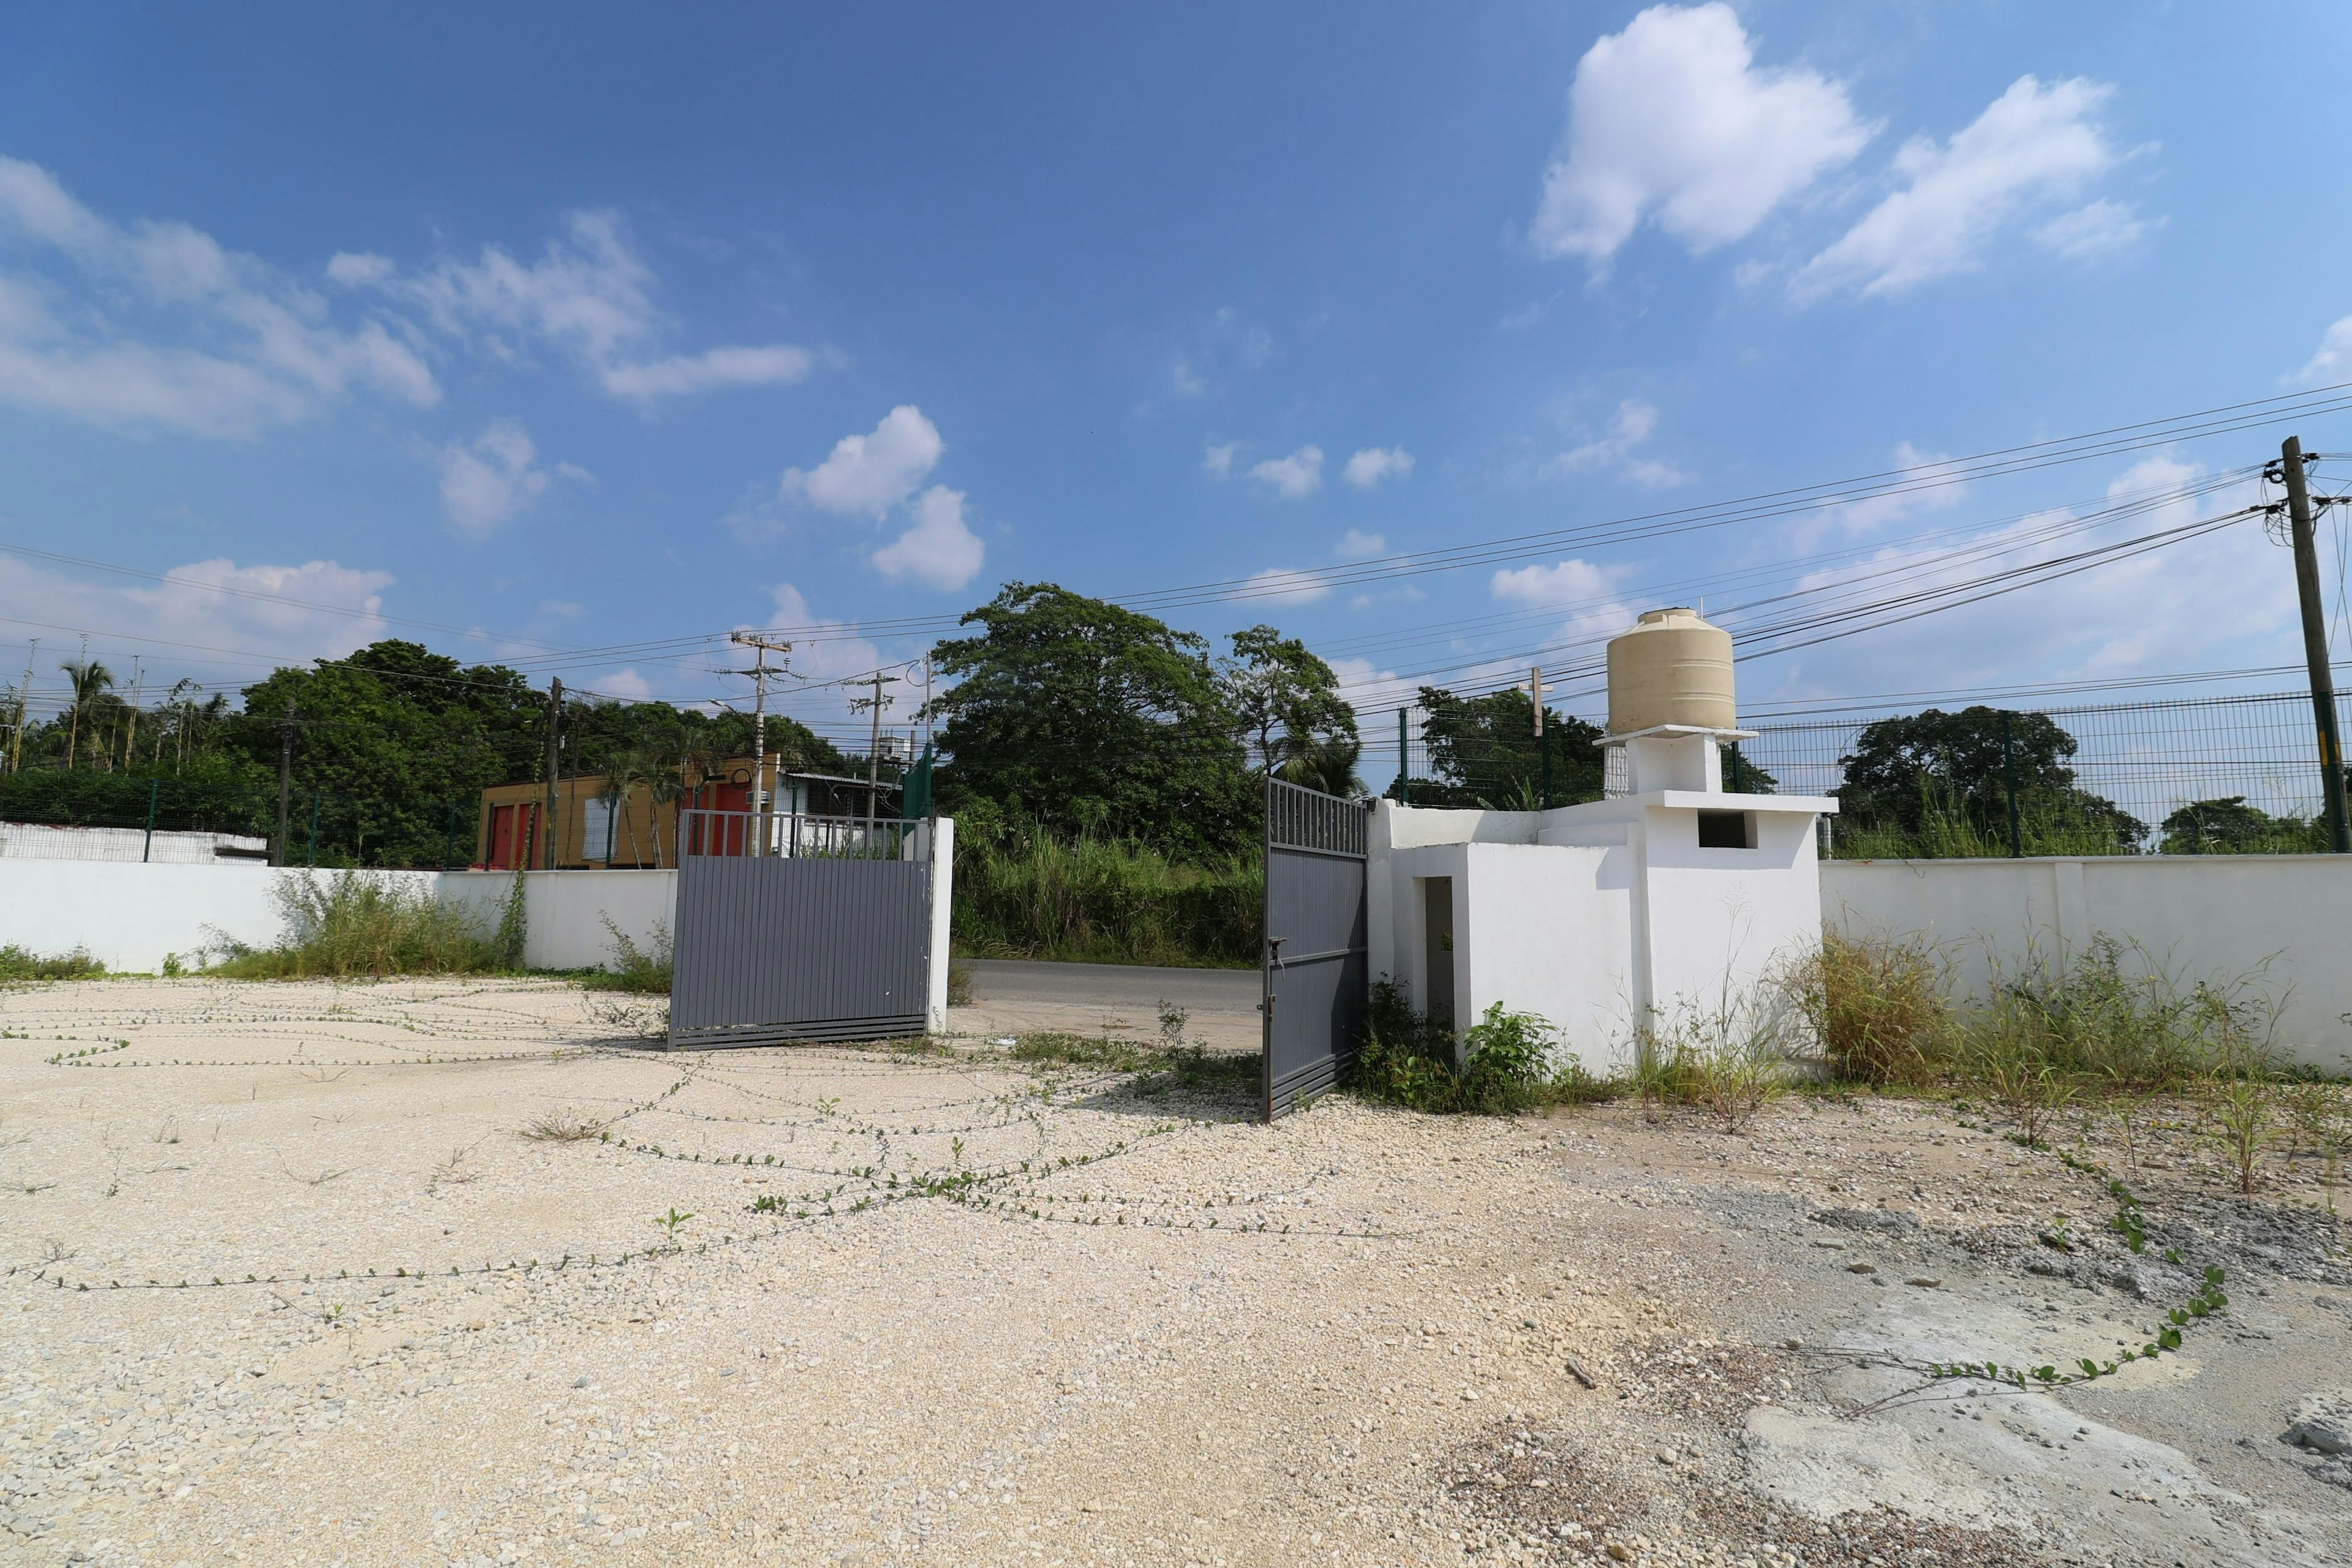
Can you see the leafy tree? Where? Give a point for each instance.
(1288, 706)
(1089, 717)
(1485, 752)
(1904, 770)
(2230, 827)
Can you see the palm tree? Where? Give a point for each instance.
(664, 772)
(612, 795)
(622, 778)
(91, 680)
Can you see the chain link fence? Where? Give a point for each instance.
(55, 815)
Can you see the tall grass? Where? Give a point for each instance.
(1947, 833)
(1104, 900)
(363, 924)
(1877, 1008)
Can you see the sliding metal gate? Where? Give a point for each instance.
(1316, 983)
(798, 928)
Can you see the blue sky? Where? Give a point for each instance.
(565, 330)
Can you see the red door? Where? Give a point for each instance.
(512, 835)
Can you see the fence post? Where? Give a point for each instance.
(1401, 757)
(2009, 781)
(147, 851)
(316, 795)
(448, 838)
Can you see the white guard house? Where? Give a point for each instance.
(1672, 894)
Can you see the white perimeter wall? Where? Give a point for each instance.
(565, 911)
(2197, 916)
(128, 916)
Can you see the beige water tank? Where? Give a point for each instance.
(1672, 669)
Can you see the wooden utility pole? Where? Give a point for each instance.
(555, 722)
(2315, 643)
(1543, 741)
(762, 798)
(285, 781)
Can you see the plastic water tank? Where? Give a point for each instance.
(1673, 668)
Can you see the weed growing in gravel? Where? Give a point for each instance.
(1508, 1062)
(635, 969)
(1877, 1006)
(2243, 1123)
(559, 1127)
(671, 1221)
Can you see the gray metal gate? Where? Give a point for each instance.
(798, 928)
(1315, 980)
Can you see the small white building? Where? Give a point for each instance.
(1674, 895)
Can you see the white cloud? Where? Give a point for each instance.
(938, 549)
(562, 609)
(2096, 232)
(821, 652)
(2333, 360)
(626, 684)
(1357, 545)
(1187, 380)
(1283, 585)
(1938, 490)
(1369, 466)
(1671, 119)
(1218, 463)
(294, 624)
(779, 364)
(1293, 477)
(1562, 582)
(491, 482)
(1631, 425)
(868, 475)
(2213, 601)
(589, 294)
(157, 324)
(2031, 144)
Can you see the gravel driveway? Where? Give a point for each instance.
(947, 1306)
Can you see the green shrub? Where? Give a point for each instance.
(1510, 1062)
(352, 924)
(16, 963)
(634, 968)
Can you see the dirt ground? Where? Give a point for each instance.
(291, 1280)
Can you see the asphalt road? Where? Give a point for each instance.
(1130, 988)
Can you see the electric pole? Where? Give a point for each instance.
(24, 694)
(284, 780)
(2315, 643)
(760, 796)
(874, 704)
(554, 719)
(1543, 741)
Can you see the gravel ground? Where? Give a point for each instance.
(943, 1306)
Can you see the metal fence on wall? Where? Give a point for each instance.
(2148, 758)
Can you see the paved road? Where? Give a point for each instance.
(1129, 988)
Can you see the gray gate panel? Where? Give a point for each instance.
(771, 949)
(1316, 979)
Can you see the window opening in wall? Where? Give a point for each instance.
(1727, 830)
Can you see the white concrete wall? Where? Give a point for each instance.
(2197, 916)
(565, 911)
(1549, 932)
(1716, 923)
(128, 916)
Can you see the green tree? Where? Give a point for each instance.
(1484, 753)
(1903, 772)
(91, 681)
(1089, 718)
(1289, 709)
(2230, 827)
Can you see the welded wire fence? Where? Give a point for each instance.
(2202, 775)
(56, 814)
